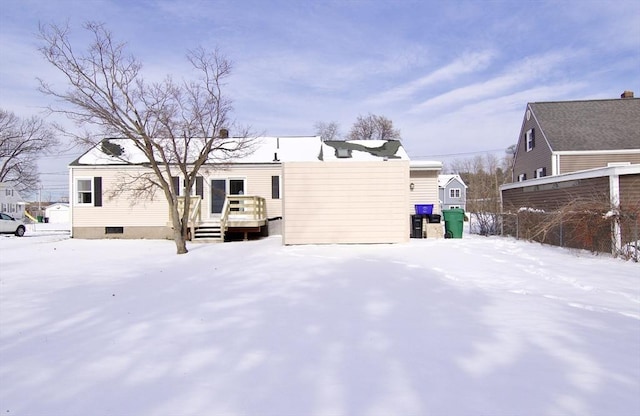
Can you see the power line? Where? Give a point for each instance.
(461, 153)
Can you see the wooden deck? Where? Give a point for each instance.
(240, 213)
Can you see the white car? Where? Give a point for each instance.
(9, 225)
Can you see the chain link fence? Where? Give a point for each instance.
(616, 234)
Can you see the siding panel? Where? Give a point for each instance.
(346, 202)
(425, 190)
(573, 163)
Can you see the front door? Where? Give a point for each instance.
(218, 194)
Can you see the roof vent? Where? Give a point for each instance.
(627, 94)
(343, 153)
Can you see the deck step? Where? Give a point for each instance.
(208, 232)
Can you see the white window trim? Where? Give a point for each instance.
(77, 192)
(539, 173)
(528, 140)
(451, 193)
(521, 177)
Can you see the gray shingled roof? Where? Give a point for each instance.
(590, 125)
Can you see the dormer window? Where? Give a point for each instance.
(522, 177)
(530, 139)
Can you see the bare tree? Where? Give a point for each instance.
(483, 176)
(328, 131)
(373, 127)
(175, 124)
(22, 142)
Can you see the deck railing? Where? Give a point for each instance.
(195, 208)
(236, 209)
(246, 208)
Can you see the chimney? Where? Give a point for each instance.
(627, 94)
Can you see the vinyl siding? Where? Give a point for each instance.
(425, 190)
(345, 202)
(126, 210)
(630, 205)
(543, 198)
(538, 157)
(573, 163)
(258, 183)
(122, 211)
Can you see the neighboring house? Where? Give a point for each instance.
(452, 192)
(305, 189)
(57, 213)
(11, 202)
(569, 136)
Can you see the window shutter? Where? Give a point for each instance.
(544, 171)
(97, 191)
(275, 187)
(176, 184)
(200, 186)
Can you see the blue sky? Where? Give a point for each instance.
(453, 76)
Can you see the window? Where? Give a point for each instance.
(530, 139)
(522, 177)
(541, 172)
(89, 191)
(114, 230)
(275, 187)
(196, 189)
(84, 192)
(454, 193)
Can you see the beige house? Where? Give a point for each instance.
(309, 191)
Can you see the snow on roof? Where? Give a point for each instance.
(265, 150)
(112, 151)
(284, 149)
(443, 180)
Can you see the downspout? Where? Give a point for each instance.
(614, 193)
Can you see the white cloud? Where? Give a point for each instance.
(529, 71)
(465, 64)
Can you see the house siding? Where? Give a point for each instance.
(425, 190)
(538, 157)
(448, 201)
(150, 218)
(258, 183)
(630, 207)
(346, 202)
(542, 198)
(573, 163)
(142, 219)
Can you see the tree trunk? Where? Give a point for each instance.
(178, 232)
(181, 242)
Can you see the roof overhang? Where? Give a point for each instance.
(583, 174)
(418, 165)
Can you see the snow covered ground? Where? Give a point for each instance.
(477, 326)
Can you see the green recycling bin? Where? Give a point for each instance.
(453, 222)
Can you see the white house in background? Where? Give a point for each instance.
(57, 213)
(309, 191)
(452, 192)
(11, 202)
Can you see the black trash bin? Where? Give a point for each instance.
(416, 225)
(434, 218)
